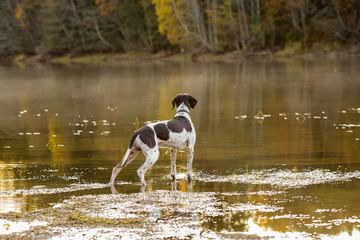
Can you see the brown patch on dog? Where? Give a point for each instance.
(177, 124)
(147, 136)
(161, 131)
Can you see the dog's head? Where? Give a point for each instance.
(185, 98)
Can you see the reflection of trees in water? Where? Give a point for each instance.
(119, 95)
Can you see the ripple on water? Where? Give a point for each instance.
(283, 178)
(72, 188)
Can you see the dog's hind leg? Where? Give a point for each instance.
(130, 155)
(173, 163)
(151, 158)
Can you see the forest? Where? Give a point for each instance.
(58, 27)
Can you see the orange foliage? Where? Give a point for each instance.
(19, 14)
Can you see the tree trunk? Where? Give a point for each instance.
(199, 25)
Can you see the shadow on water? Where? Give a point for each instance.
(277, 152)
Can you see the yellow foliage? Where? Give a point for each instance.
(106, 7)
(168, 19)
(19, 14)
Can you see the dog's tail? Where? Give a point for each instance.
(123, 161)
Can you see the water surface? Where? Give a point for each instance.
(278, 143)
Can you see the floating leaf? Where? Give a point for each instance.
(51, 145)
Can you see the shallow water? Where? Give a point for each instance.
(277, 152)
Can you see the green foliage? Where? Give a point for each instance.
(293, 36)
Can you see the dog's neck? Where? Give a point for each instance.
(182, 109)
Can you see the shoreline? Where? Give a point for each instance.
(118, 58)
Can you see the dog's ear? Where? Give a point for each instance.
(174, 102)
(192, 101)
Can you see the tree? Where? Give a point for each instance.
(82, 26)
(170, 21)
(298, 13)
(20, 30)
(275, 22)
(348, 20)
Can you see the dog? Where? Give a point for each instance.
(175, 134)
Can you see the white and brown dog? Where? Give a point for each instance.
(176, 133)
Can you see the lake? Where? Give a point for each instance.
(277, 151)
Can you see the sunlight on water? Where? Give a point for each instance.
(42, 190)
(266, 233)
(7, 227)
(283, 178)
(277, 152)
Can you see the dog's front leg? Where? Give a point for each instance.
(173, 163)
(190, 156)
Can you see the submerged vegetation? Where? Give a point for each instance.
(76, 27)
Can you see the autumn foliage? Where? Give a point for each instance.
(82, 26)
